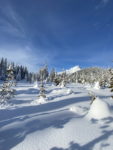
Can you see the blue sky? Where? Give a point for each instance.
(60, 33)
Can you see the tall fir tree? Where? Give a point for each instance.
(7, 91)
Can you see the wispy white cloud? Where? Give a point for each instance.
(105, 1)
(102, 3)
(25, 56)
(11, 22)
(21, 53)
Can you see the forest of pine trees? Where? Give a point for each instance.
(20, 72)
(88, 75)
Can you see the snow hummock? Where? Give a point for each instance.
(62, 90)
(71, 70)
(96, 86)
(78, 110)
(69, 91)
(99, 109)
(36, 84)
(40, 100)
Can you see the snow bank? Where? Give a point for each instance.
(99, 109)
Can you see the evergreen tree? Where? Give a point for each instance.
(111, 80)
(7, 92)
(43, 73)
(52, 75)
(64, 79)
(42, 90)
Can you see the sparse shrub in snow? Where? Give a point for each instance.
(99, 109)
(92, 95)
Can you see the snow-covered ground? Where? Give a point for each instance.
(65, 120)
(71, 70)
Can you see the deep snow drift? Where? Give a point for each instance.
(99, 109)
(65, 120)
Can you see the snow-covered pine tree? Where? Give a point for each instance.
(57, 80)
(7, 91)
(111, 80)
(52, 75)
(42, 91)
(42, 88)
(43, 72)
(64, 79)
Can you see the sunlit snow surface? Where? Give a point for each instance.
(65, 120)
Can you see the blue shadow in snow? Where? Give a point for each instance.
(89, 145)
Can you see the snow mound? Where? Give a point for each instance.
(62, 85)
(40, 100)
(75, 110)
(35, 85)
(88, 86)
(69, 91)
(62, 91)
(78, 110)
(96, 86)
(99, 109)
(71, 70)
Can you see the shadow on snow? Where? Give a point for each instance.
(12, 136)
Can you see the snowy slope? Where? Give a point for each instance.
(71, 70)
(59, 124)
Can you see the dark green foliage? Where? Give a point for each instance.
(57, 81)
